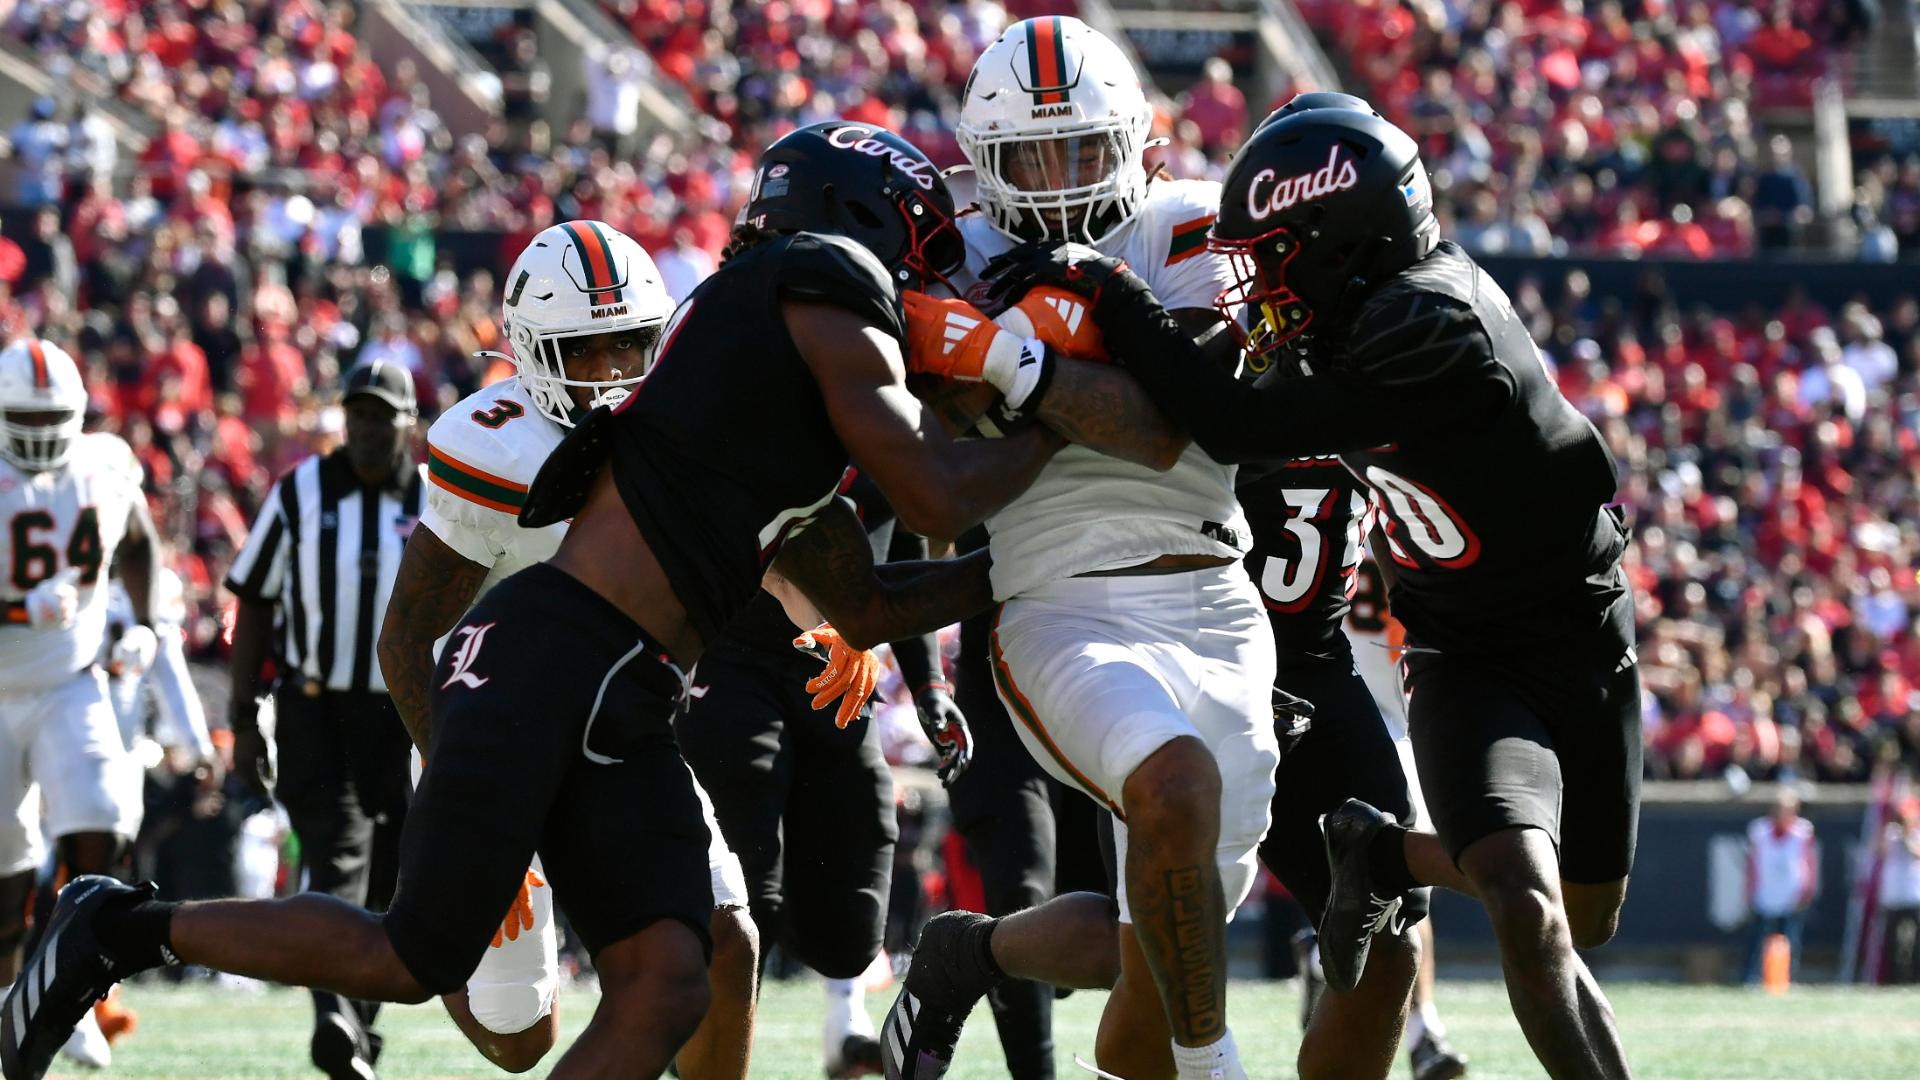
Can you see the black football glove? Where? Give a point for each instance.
(946, 728)
(1292, 718)
(1076, 268)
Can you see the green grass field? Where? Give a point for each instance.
(1682, 1033)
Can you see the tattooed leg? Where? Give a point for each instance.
(1173, 886)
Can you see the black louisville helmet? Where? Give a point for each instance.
(1316, 204)
(1319, 99)
(864, 183)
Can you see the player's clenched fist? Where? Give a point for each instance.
(1061, 320)
(955, 340)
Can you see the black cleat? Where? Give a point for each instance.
(1354, 911)
(69, 970)
(943, 984)
(339, 1048)
(859, 1056)
(1433, 1059)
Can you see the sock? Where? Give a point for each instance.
(847, 1009)
(1218, 1059)
(1387, 862)
(980, 938)
(1422, 1022)
(140, 933)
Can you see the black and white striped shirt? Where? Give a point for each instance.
(325, 551)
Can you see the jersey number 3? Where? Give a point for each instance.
(501, 412)
(35, 559)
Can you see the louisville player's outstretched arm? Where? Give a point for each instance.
(939, 487)
(830, 563)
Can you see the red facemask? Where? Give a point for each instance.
(1260, 286)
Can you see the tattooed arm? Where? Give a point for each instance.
(830, 563)
(1102, 408)
(435, 587)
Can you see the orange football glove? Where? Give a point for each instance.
(520, 915)
(952, 338)
(850, 674)
(1060, 319)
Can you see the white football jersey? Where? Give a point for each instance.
(73, 516)
(482, 454)
(1088, 511)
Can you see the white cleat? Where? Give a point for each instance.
(88, 1044)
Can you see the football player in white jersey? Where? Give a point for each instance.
(584, 309)
(1131, 646)
(70, 501)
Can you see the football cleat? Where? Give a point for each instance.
(942, 986)
(69, 970)
(1433, 1059)
(857, 1055)
(338, 1048)
(1355, 912)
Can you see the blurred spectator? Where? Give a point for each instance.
(683, 265)
(1782, 197)
(1783, 872)
(1216, 108)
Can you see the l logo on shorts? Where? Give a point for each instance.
(472, 637)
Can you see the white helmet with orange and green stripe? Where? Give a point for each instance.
(42, 404)
(579, 278)
(1055, 124)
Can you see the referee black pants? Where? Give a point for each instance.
(344, 780)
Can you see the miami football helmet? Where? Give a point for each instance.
(42, 404)
(1055, 124)
(574, 279)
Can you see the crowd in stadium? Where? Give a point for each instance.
(1770, 457)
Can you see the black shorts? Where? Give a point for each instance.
(808, 807)
(1347, 753)
(1545, 735)
(552, 730)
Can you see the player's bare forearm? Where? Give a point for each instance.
(1102, 408)
(980, 477)
(831, 563)
(434, 588)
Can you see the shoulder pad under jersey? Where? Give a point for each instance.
(836, 270)
(487, 448)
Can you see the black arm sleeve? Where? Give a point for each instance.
(1230, 420)
(1401, 354)
(918, 657)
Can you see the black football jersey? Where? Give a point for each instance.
(727, 446)
(1492, 489)
(1494, 501)
(1309, 517)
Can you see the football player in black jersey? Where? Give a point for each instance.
(552, 707)
(1505, 552)
(809, 808)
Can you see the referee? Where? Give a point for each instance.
(313, 581)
